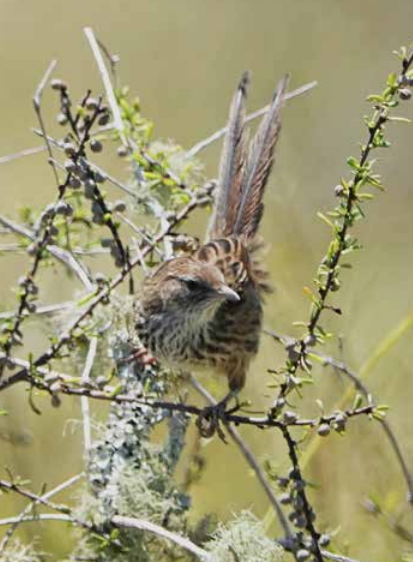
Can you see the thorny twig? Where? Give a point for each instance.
(28, 287)
(327, 281)
(300, 485)
(95, 168)
(364, 391)
(362, 388)
(111, 394)
(91, 176)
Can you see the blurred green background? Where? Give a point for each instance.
(184, 58)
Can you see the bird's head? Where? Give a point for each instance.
(193, 287)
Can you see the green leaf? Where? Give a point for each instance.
(307, 291)
(375, 98)
(325, 219)
(320, 405)
(353, 163)
(116, 391)
(358, 401)
(400, 119)
(392, 80)
(86, 299)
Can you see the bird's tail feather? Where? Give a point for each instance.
(231, 168)
(243, 176)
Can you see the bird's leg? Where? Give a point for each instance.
(211, 417)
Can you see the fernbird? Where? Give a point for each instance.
(205, 310)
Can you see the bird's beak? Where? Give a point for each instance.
(228, 294)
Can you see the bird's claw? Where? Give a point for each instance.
(210, 420)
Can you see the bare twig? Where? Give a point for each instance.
(90, 358)
(337, 557)
(117, 118)
(120, 522)
(142, 525)
(42, 310)
(393, 522)
(13, 247)
(60, 508)
(117, 520)
(22, 153)
(15, 521)
(37, 98)
(64, 256)
(43, 499)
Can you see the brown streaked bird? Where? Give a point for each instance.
(205, 310)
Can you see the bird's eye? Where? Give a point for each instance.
(191, 284)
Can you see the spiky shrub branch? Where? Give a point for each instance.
(133, 508)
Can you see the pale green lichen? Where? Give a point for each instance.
(243, 539)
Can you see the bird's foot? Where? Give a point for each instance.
(211, 419)
(141, 356)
